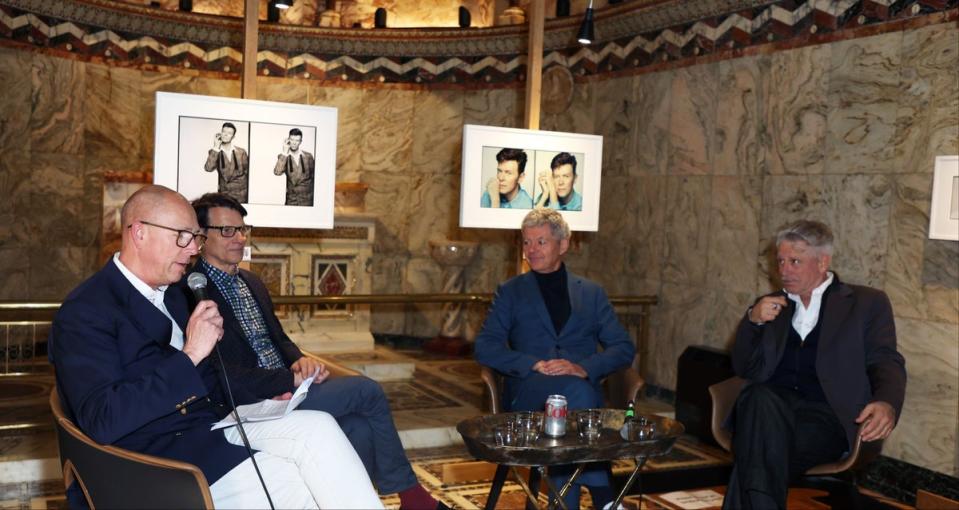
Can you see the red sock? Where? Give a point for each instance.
(416, 498)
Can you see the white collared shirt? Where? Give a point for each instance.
(154, 296)
(805, 319)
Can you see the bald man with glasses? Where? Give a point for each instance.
(136, 369)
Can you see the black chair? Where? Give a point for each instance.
(111, 477)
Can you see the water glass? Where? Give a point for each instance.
(590, 424)
(528, 425)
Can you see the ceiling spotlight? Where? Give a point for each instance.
(284, 4)
(586, 34)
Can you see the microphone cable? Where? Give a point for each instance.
(239, 425)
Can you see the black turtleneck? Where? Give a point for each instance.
(555, 293)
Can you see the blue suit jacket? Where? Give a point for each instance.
(124, 384)
(518, 332)
(240, 359)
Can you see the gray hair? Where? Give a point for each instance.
(542, 216)
(816, 234)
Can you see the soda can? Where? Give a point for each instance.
(554, 422)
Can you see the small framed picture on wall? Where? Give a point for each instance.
(944, 210)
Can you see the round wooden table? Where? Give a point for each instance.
(614, 442)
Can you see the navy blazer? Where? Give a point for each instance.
(240, 359)
(124, 385)
(856, 360)
(518, 332)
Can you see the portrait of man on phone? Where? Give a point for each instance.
(231, 163)
(298, 165)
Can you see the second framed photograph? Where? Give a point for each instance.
(507, 172)
(278, 159)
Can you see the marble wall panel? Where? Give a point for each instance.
(648, 208)
(283, 90)
(493, 264)
(796, 111)
(437, 132)
(386, 145)
(433, 209)
(617, 246)
(349, 131)
(388, 197)
(15, 180)
(723, 315)
(54, 202)
(59, 269)
(736, 205)
(112, 111)
(15, 261)
(688, 201)
(424, 275)
(649, 148)
(57, 101)
(692, 120)
(615, 110)
(908, 224)
(926, 433)
(494, 107)
(388, 275)
(930, 56)
(677, 322)
(862, 228)
(579, 117)
(939, 263)
(862, 99)
(738, 148)
(15, 74)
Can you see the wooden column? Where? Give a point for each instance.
(534, 62)
(251, 22)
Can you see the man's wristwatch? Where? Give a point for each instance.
(749, 312)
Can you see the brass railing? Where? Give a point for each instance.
(24, 327)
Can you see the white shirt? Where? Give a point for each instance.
(805, 319)
(154, 296)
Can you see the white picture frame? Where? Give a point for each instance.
(481, 144)
(188, 124)
(944, 210)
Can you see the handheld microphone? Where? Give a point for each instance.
(197, 282)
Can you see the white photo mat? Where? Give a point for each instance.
(185, 129)
(944, 210)
(480, 143)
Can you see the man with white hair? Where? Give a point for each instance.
(820, 360)
(544, 333)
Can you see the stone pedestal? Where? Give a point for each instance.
(453, 256)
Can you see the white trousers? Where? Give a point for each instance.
(306, 462)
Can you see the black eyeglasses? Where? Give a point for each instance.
(183, 238)
(231, 230)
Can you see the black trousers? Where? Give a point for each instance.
(777, 437)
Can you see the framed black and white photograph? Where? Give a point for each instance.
(506, 172)
(278, 159)
(944, 210)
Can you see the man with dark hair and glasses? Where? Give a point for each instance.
(256, 349)
(135, 369)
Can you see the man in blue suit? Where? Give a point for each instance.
(134, 369)
(256, 348)
(544, 333)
